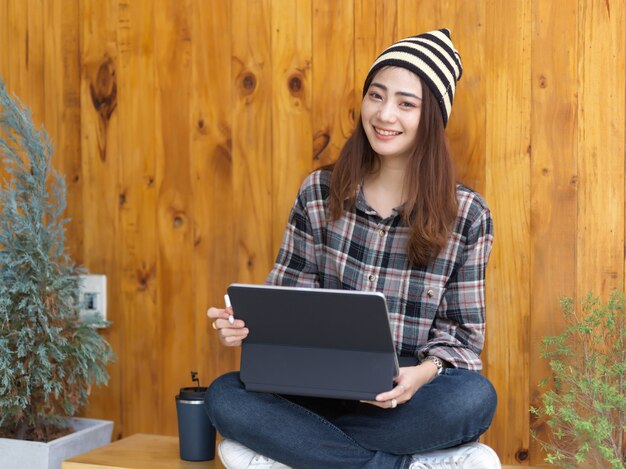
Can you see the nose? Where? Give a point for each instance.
(386, 112)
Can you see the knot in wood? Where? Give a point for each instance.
(320, 142)
(543, 82)
(521, 455)
(104, 89)
(295, 84)
(202, 127)
(248, 82)
(142, 279)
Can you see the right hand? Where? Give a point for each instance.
(229, 334)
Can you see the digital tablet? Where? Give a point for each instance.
(315, 342)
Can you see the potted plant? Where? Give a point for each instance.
(49, 357)
(584, 402)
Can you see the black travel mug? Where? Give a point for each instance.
(196, 435)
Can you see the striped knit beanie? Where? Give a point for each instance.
(433, 58)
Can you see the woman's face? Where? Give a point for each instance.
(391, 111)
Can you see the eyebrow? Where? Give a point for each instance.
(401, 93)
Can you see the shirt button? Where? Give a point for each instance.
(382, 232)
(430, 293)
(372, 278)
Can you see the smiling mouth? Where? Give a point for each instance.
(386, 133)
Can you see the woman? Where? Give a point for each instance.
(388, 217)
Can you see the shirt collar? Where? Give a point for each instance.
(362, 204)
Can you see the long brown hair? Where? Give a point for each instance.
(431, 206)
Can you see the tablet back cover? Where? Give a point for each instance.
(315, 342)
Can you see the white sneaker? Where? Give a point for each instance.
(236, 456)
(468, 456)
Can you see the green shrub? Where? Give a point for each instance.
(584, 402)
(48, 357)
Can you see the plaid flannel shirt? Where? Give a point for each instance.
(434, 310)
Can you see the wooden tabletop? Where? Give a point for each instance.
(140, 451)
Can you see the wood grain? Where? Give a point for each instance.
(600, 156)
(292, 154)
(176, 343)
(375, 29)
(21, 60)
(252, 138)
(419, 16)
(467, 124)
(333, 105)
(139, 451)
(507, 192)
(139, 319)
(99, 172)
(214, 218)
(61, 63)
(23, 54)
(33, 39)
(553, 183)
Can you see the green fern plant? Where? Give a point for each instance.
(48, 357)
(584, 402)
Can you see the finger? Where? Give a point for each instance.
(236, 324)
(390, 404)
(395, 393)
(215, 313)
(382, 405)
(239, 334)
(224, 323)
(232, 340)
(234, 328)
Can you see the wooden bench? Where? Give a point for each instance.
(143, 451)
(140, 451)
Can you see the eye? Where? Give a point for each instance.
(407, 104)
(375, 95)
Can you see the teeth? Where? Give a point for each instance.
(386, 132)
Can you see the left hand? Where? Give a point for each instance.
(409, 380)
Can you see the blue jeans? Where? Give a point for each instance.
(455, 408)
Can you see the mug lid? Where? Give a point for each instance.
(193, 393)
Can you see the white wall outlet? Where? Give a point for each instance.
(93, 296)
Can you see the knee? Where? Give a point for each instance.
(483, 398)
(221, 394)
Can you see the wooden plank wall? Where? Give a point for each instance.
(184, 129)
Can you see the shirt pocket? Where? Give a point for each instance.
(423, 301)
(431, 297)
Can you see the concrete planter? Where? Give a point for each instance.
(89, 434)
